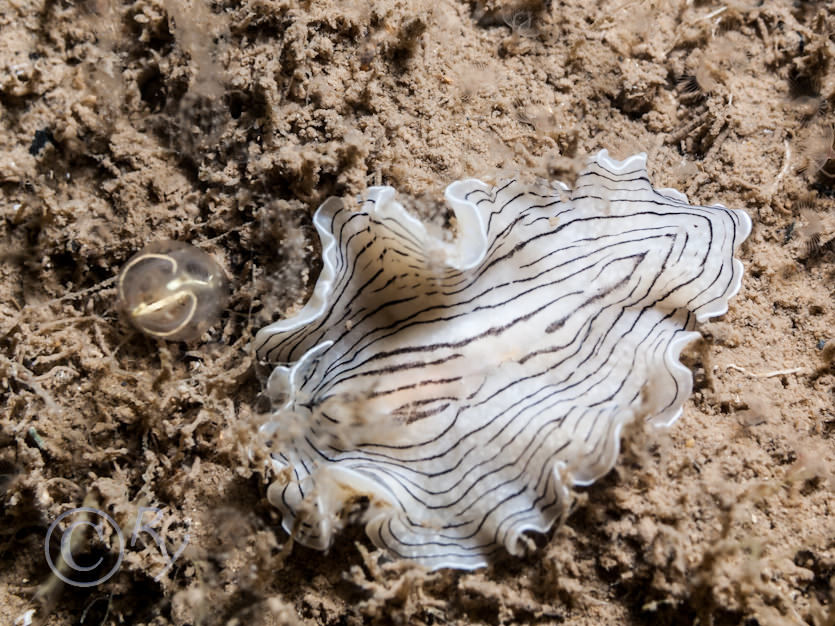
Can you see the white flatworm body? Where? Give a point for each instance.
(463, 386)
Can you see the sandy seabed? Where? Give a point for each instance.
(226, 123)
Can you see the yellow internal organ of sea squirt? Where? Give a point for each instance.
(172, 290)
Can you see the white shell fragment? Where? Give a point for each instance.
(462, 387)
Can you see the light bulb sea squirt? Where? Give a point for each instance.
(172, 290)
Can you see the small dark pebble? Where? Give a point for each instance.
(42, 137)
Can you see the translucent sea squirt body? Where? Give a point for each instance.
(172, 290)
